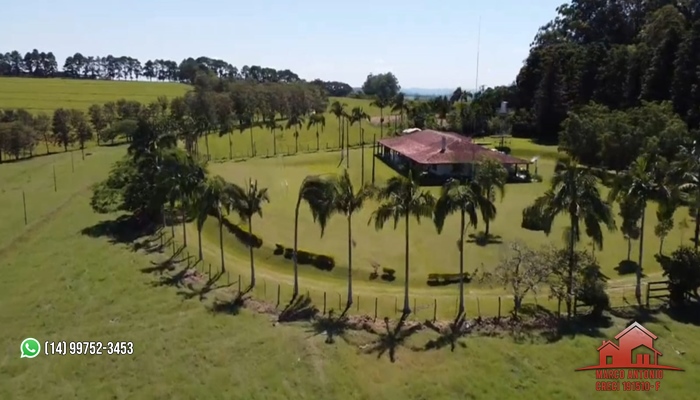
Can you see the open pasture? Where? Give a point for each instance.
(64, 279)
(430, 252)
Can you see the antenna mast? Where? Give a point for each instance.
(478, 45)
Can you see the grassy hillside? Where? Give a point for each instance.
(46, 95)
(63, 280)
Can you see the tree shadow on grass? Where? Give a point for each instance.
(168, 264)
(125, 229)
(588, 325)
(331, 326)
(685, 314)
(627, 267)
(481, 239)
(231, 306)
(202, 291)
(449, 334)
(300, 308)
(390, 339)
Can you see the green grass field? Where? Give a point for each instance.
(62, 284)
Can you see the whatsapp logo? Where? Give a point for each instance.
(30, 348)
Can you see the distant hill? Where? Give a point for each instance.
(427, 92)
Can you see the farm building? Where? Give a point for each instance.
(438, 156)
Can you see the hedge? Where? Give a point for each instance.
(320, 261)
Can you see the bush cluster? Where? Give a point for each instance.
(446, 279)
(320, 261)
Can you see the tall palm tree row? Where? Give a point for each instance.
(319, 121)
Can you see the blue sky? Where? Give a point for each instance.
(427, 44)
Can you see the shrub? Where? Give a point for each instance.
(320, 261)
(389, 271)
(503, 149)
(388, 277)
(683, 271)
(243, 236)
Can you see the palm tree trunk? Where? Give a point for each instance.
(340, 129)
(252, 257)
(274, 143)
(252, 144)
(460, 312)
(347, 145)
(199, 242)
(317, 139)
(381, 123)
(296, 142)
(221, 242)
(696, 238)
(349, 302)
(406, 305)
(230, 147)
(572, 261)
(629, 248)
(295, 292)
(638, 286)
(184, 223)
(206, 142)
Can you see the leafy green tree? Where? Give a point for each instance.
(42, 126)
(683, 271)
(466, 200)
(631, 213)
(383, 85)
(81, 128)
(402, 198)
(61, 128)
(574, 192)
(97, 119)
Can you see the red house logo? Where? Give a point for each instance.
(619, 356)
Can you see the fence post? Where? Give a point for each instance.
(358, 303)
(478, 307)
(24, 205)
(340, 300)
(209, 270)
(647, 294)
(434, 309)
(396, 304)
(499, 307)
(264, 289)
(324, 303)
(376, 300)
(279, 287)
(415, 307)
(173, 242)
(72, 164)
(55, 187)
(239, 283)
(228, 277)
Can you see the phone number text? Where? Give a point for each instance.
(64, 347)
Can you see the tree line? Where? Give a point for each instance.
(215, 106)
(617, 54)
(78, 66)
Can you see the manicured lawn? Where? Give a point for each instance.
(59, 284)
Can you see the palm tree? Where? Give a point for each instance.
(686, 172)
(248, 202)
(357, 115)
(318, 194)
(346, 201)
(318, 120)
(217, 198)
(381, 103)
(338, 110)
(574, 191)
(271, 124)
(491, 177)
(399, 105)
(345, 142)
(644, 180)
(401, 197)
(466, 200)
(295, 121)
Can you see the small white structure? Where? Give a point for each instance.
(504, 108)
(410, 130)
